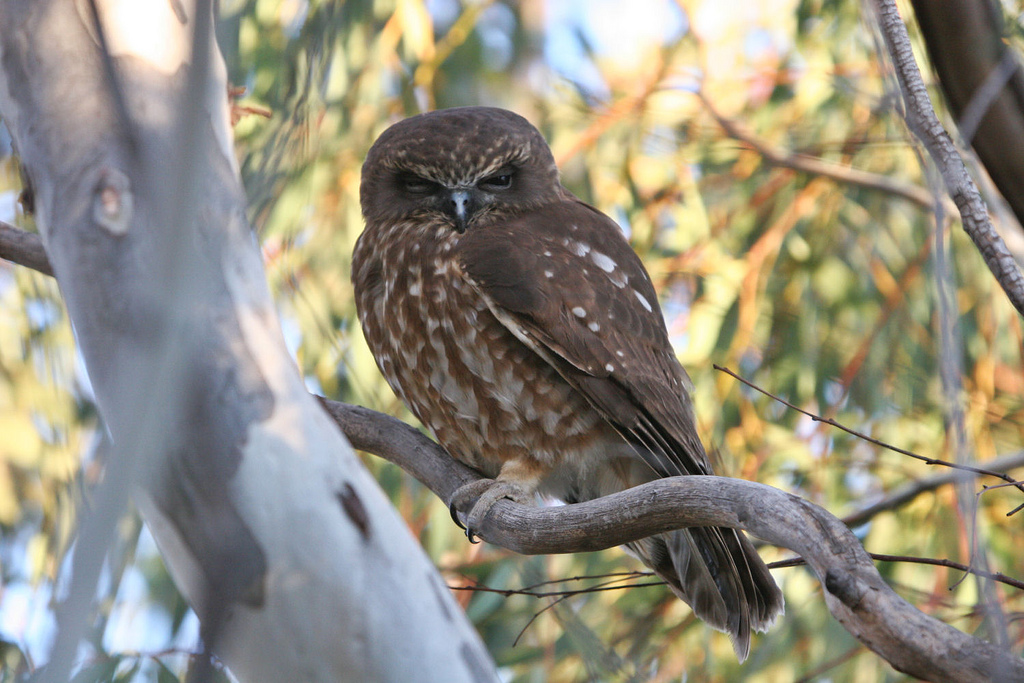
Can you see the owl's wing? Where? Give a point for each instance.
(566, 283)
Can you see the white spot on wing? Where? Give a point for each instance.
(602, 261)
(414, 289)
(609, 367)
(644, 301)
(580, 312)
(548, 274)
(579, 248)
(594, 327)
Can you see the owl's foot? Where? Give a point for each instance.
(486, 492)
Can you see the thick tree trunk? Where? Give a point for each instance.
(983, 83)
(297, 565)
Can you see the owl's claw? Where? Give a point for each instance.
(454, 512)
(486, 492)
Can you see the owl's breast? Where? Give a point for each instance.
(485, 395)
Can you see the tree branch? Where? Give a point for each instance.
(908, 492)
(399, 443)
(24, 248)
(819, 167)
(921, 118)
(832, 422)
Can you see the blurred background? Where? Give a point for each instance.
(671, 117)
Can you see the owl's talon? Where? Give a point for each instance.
(454, 512)
(486, 492)
(462, 498)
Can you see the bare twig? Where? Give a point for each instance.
(908, 492)
(861, 435)
(619, 577)
(994, 576)
(819, 167)
(531, 591)
(986, 489)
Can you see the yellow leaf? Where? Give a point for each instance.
(417, 29)
(19, 442)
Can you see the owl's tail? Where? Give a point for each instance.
(715, 570)
(719, 574)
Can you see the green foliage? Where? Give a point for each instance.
(819, 290)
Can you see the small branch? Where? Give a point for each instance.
(600, 588)
(619, 577)
(24, 248)
(935, 562)
(818, 167)
(908, 492)
(861, 435)
(921, 118)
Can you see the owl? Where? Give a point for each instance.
(523, 331)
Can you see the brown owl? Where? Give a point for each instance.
(519, 326)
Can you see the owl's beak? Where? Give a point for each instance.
(461, 206)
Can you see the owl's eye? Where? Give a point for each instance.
(417, 185)
(498, 181)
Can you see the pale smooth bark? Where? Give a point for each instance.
(297, 565)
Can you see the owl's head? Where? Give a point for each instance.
(460, 166)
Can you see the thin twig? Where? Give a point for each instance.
(815, 673)
(509, 592)
(819, 167)
(995, 576)
(618, 577)
(908, 492)
(861, 435)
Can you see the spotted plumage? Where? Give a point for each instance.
(519, 326)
